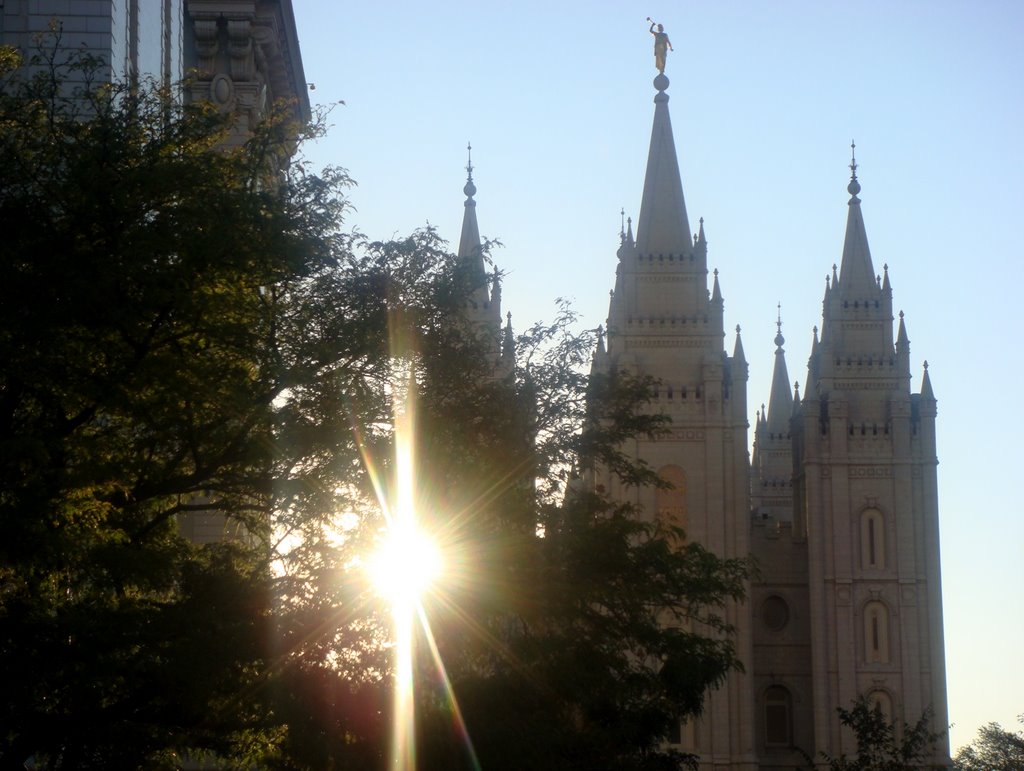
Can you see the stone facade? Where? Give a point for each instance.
(837, 504)
(241, 55)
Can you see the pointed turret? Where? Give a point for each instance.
(780, 404)
(737, 352)
(926, 386)
(471, 255)
(716, 291)
(508, 345)
(857, 275)
(663, 227)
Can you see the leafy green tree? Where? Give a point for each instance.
(188, 332)
(881, 744)
(994, 749)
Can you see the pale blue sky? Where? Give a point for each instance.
(765, 97)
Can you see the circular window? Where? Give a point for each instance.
(775, 613)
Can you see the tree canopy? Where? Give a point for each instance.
(994, 749)
(882, 744)
(189, 332)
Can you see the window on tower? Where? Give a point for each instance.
(872, 540)
(876, 633)
(671, 503)
(778, 709)
(881, 702)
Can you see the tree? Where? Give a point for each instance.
(583, 647)
(881, 744)
(188, 331)
(148, 283)
(994, 749)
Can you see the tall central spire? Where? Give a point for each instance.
(780, 404)
(663, 227)
(856, 274)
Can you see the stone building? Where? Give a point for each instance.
(242, 55)
(837, 502)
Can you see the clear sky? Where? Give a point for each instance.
(556, 98)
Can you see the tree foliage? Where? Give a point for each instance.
(188, 332)
(883, 745)
(994, 749)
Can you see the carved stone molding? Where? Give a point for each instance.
(870, 472)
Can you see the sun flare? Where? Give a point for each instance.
(405, 566)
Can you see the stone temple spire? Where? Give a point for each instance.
(470, 254)
(780, 404)
(663, 227)
(857, 275)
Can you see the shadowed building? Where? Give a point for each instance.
(242, 55)
(837, 503)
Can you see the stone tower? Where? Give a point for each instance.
(482, 311)
(664, 322)
(837, 503)
(864, 461)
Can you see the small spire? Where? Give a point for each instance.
(629, 230)
(903, 348)
(780, 402)
(470, 188)
(737, 352)
(508, 343)
(600, 340)
(700, 239)
(854, 187)
(716, 292)
(886, 286)
(622, 228)
(926, 385)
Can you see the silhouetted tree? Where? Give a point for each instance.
(994, 749)
(187, 331)
(881, 744)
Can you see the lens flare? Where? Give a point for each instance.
(405, 566)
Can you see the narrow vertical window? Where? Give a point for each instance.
(778, 708)
(671, 503)
(876, 633)
(872, 540)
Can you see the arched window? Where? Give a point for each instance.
(876, 633)
(778, 711)
(881, 702)
(872, 540)
(671, 501)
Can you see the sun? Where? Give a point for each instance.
(405, 566)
